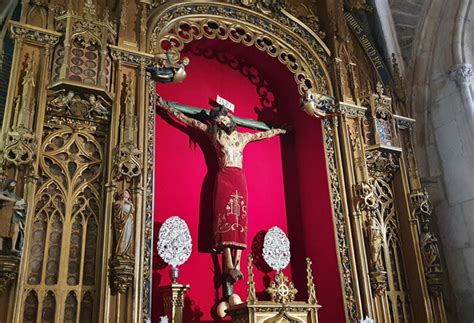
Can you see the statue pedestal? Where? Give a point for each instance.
(274, 312)
(173, 301)
(121, 273)
(8, 270)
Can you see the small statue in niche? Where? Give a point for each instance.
(61, 103)
(169, 68)
(230, 193)
(13, 207)
(312, 104)
(430, 250)
(123, 224)
(96, 109)
(375, 243)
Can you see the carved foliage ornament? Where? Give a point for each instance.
(248, 32)
(462, 73)
(174, 241)
(276, 249)
(21, 32)
(342, 239)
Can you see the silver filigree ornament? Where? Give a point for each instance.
(276, 249)
(174, 244)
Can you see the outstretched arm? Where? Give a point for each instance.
(182, 117)
(264, 134)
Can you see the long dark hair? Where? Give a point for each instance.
(221, 111)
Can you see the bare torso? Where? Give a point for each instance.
(229, 148)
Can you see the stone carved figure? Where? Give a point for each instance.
(375, 243)
(230, 192)
(14, 207)
(123, 219)
(430, 250)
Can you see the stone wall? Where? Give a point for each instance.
(437, 43)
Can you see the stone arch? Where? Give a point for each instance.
(177, 24)
(440, 81)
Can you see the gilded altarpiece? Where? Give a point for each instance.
(78, 132)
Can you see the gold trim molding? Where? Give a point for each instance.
(179, 24)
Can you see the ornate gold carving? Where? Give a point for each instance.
(422, 210)
(351, 111)
(281, 290)
(310, 283)
(399, 81)
(127, 156)
(8, 271)
(20, 144)
(252, 30)
(382, 119)
(66, 223)
(282, 307)
(130, 57)
(173, 301)
(382, 164)
(251, 291)
(341, 235)
(378, 280)
(149, 215)
(36, 35)
(121, 274)
(70, 104)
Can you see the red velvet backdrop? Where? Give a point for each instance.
(287, 177)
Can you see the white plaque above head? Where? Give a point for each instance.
(174, 241)
(226, 104)
(276, 249)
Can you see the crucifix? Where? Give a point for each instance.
(230, 193)
(230, 218)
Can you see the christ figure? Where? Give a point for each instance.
(230, 192)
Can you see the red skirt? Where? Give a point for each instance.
(230, 209)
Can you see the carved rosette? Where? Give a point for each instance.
(121, 274)
(281, 290)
